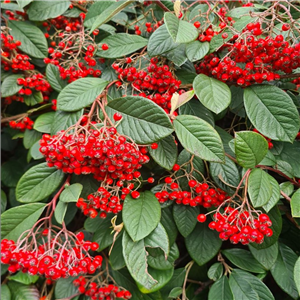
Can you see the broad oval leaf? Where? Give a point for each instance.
(196, 50)
(5, 292)
(33, 41)
(272, 112)
(71, 193)
(215, 272)
(220, 290)
(212, 93)
(10, 86)
(64, 288)
(31, 136)
(121, 44)
(145, 123)
(275, 195)
(38, 183)
(18, 219)
(248, 287)
(203, 244)
(180, 31)
(33, 99)
(250, 148)
(141, 215)
(199, 138)
(259, 187)
(44, 122)
(80, 93)
(283, 270)
(166, 153)
(295, 204)
(23, 292)
(53, 77)
(43, 10)
(24, 278)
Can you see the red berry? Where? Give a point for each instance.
(154, 146)
(104, 47)
(285, 27)
(176, 167)
(197, 24)
(117, 117)
(201, 218)
(135, 194)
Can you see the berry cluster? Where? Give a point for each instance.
(33, 83)
(58, 258)
(101, 152)
(17, 15)
(260, 58)
(101, 291)
(240, 226)
(270, 145)
(22, 125)
(10, 99)
(157, 83)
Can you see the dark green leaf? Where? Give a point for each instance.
(23, 292)
(60, 211)
(31, 137)
(64, 288)
(116, 258)
(196, 50)
(103, 235)
(5, 292)
(267, 256)
(53, 77)
(169, 224)
(295, 204)
(297, 274)
(175, 292)
(11, 172)
(71, 193)
(44, 122)
(286, 187)
(177, 55)
(33, 99)
(10, 86)
(215, 272)
(221, 290)
(3, 201)
(274, 196)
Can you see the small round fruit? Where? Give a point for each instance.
(201, 218)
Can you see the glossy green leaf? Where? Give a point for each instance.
(44, 122)
(196, 50)
(295, 204)
(166, 153)
(244, 260)
(144, 123)
(33, 99)
(80, 93)
(24, 278)
(31, 137)
(297, 274)
(38, 183)
(283, 270)
(103, 232)
(272, 112)
(220, 290)
(53, 77)
(199, 138)
(267, 256)
(248, 287)
(198, 246)
(141, 215)
(250, 148)
(180, 31)
(176, 281)
(18, 219)
(60, 211)
(259, 187)
(23, 3)
(33, 41)
(177, 55)
(212, 93)
(23, 292)
(167, 220)
(43, 10)
(286, 187)
(215, 272)
(175, 292)
(116, 258)
(275, 196)
(64, 288)
(121, 44)
(10, 86)
(5, 292)
(185, 218)
(71, 193)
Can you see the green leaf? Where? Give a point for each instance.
(215, 272)
(274, 196)
(286, 187)
(10, 85)
(11, 172)
(176, 281)
(109, 12)
(196, 50)
(64, 288)
(244, 260)
(33, 99)
(53, 77)
(166, 153)
(24, 278)
(35, 152)
(31, 137)
(221, 290)
(23, 3)
(116, 258)
(103, 235)
(217, 41)
(267, 256)
(121, 44)
(38, 183)
(145, 123)
(272, 112)
(283, 270)
(44, 122)
(141, 215)
(60, 211)
(175, 292)
(227, 172)
(63, 120)
(23, 292)
(212, 93)
(33, 41)
(5, 292)
(18, 219)
(169, 224)
(250, 148)
(3, 201)
(259, 187)
(199, 138)
(248, 287)
(160, 42)
(71, 193)
(43, 10)
(203, 244)
(185, 218)
(295, 204)
(177, 55)
(180, 31)
(195, 108)
(297, 274)
(80, 93)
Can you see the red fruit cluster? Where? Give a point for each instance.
(100, 292)
(157, 83)
(241, 226)
(10, 99)
(262, 58)
(199, 194)
(270, 145)
(22, 125)
(54, 262)
(108, 199)
(17, 15)
(101, 152)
